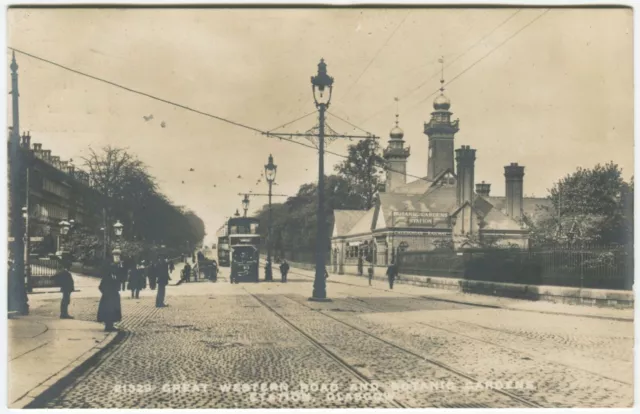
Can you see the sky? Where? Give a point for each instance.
(552, 95)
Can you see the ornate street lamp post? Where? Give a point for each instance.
(270, 173)
(322, 99)
(245, 204)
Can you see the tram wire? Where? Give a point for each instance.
(257, 130)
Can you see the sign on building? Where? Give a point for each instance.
(417, 218)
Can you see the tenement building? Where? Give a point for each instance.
(447, 208)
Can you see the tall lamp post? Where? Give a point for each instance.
(270, 173)
(319, 83)
(245, 204)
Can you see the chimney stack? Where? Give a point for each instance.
(465, 158)
(26, 140)
(483, 189)
(513, 175)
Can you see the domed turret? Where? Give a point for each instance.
(441, 103)
(397, 132)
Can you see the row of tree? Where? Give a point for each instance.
(152, 223)
(591, 205)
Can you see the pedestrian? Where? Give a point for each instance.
(214, 271)
(64, 279)
(370, 270)
(163, 281)
(284, 269)
(186, 272)
(171, 266)
(392, 273)
(136, 280)
(326, 274)
(152, 273)
(122, 271)
(109, 309)
(268, 275)
(360, 266)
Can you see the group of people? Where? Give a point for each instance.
(284, 270)
(116, 277)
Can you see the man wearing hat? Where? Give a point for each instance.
(64, 279)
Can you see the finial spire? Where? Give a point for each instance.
(441, 60)
(397, 110)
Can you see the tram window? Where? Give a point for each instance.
(254, 228)
(234, 230)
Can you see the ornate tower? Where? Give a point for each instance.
(396, 156)
(440, 130)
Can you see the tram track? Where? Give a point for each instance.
(341, 362)
(439, 364)
(363, 304)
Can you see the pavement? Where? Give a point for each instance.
(477, 299)
(264, 345)
(44, 350)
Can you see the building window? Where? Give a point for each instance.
(55, 188)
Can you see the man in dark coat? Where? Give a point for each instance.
(284, 269)
(360, 265)
(136, 280)
(392, 273)
(64, 279)
(152, 271)
(109, 309)
(163, 281)
(186, 272)
(214, 271)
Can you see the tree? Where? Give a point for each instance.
(294, 221)
(363, 171)
(150, 218)
(587, 206)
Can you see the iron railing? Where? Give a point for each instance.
(598, 267)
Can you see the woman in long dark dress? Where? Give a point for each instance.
(109, 310)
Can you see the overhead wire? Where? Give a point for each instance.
(435, 74)
(269, 133)
(468, 68)
(375, 56)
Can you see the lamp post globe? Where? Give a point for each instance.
(117, 228)
(245, 204)
(270, 170)
(64, 227)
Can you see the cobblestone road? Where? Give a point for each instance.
(360, 346)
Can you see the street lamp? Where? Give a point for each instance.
(270, 173)
(319, 84)
(245, 204)
(237, 213)
(117, 229)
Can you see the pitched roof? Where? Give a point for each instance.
(530, 205)
(344, 220)
(419, 186)
(364, 224)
